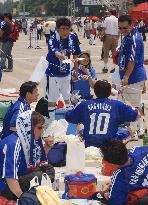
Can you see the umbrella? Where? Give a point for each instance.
(94, 18)
(50, 24)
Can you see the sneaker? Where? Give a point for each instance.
(141, 133)
(113, 70)
(8, 70)
(134, 137)
(104, 70)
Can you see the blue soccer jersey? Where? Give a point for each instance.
(68, 47)
(12, 160)
(21, 105)
(130, 178)
(132, 49)
(83, 85)
(101, 118)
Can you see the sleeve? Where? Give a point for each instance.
(119, 190)
(133, 51)
(76, 45)
(52, 46)
(126, 113)
(75, 116)
(11, 152)
(93, 74)
(14, 117)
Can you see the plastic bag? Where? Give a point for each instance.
(75, 159)
(39, 70)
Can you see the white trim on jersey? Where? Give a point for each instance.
(5, 157)
(16, 156)
(113, 179)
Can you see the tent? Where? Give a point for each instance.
(139, 11)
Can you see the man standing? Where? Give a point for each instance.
(28, 94)
(131, 66)
(110, 42)
(7, 45)
(61, 45)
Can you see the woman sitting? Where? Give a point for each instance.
(22, 156)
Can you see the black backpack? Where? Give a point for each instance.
(42, 107)
(29, 198)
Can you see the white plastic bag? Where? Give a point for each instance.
(75, 158)
(57, 129)
(39, 70)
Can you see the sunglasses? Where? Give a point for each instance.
(123, 28)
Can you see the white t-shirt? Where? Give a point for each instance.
(111, 25)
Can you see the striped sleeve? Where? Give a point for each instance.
(119, 192)
(11, 153)
(133, 48)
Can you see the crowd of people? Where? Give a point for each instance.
(24, 151)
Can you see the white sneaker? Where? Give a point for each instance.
(141, 133)
(134, 137)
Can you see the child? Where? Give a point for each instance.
(82, 83)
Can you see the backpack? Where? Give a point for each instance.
(40, 195)
(14, 35)
(29, 198)
(57, 154)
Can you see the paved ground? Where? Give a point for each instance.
(25, 60)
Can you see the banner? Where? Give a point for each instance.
(91, 2)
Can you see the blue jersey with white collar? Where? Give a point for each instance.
(21, 105)
(132, 49)
(83, 85)
(68, 47)
(12, 160)
(130, 178)
(101, 118)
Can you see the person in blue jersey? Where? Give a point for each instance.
(131, 66)
(82, 83)
(132, 175)
(1, 20)
(101, 116)
(22, 155)
(28, 94)
(62, 45)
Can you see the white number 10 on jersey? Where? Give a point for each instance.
(99, 119)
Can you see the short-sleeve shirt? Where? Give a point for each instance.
(101, 118)
(130, 178)
(12, 160)
(21, 105)
(132, 49)
(83, 85)
(111, 25)
(66, 46)
(5, 27)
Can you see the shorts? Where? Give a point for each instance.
(56, 86)
(133, 94)
(110, 44)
